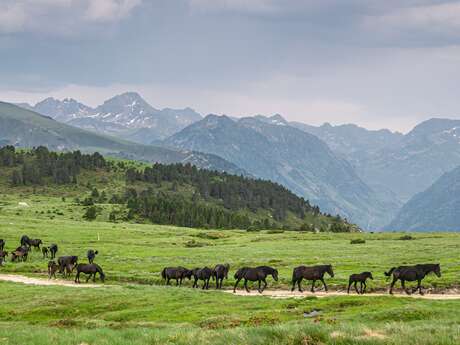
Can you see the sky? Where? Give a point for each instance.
(379, 64)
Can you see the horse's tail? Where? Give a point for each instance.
(390, 271)
(163, 273)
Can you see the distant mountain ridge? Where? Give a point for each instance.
(127, 116)
(435, 209)
(271, 149)
(24, 128)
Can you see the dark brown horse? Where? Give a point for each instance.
(53, 267)
(177, 273)
(219, 273)
(203, 274)
(67, 264)
(36, 243)
(2, 244)
(20, 254)
(45, 252)
(313, 273)
(53, 250)
(412, 273)
(359, 278)
(90, 270)
(258, 274)
(91, 255)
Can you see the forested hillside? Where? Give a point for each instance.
(164, 194)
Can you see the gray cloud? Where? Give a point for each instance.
(377, 63)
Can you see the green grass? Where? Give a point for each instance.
(134, 307)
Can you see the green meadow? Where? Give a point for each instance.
(134, 306)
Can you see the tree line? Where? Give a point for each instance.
(40, 166)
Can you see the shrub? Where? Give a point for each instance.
(194, 244)
(275, 231)
(91, 213)
(358, 241)
(406, 238)
(215, 235)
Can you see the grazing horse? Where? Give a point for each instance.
(53, 250)
(3, 254)
(25, 241)
(203, 274)
(36, 243)
(53, 267)
(177, 273)
(91, 255)
(45, 252)
(359, 278)
(2, 244)
(219, 273)
(259, 274)
(67, 264)
(412, 273)
(20, 253)
(313, 273)
(91, 270)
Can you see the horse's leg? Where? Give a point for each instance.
(392, 285)
(94, 277)
(419, 286)
(403, 285)
(363, 287)
(259, 286)
(236, 284)
(299, 284)
(349, 286)
(294, 281)
(313, 286)
(356, 288)
(265, 284)
(246, 285)
(167, 281)
(88, 277)
(324, 283)
(77, 277)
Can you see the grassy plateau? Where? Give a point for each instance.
(134, 306)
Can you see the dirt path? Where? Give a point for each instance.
(288, 294)
(37, 281)
(449, 295)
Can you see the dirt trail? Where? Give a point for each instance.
(296, 294)
(37, 281)
(450, 294)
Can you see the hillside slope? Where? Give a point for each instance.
(25, 128)
(435, 209)
(291, 157)
(174, 194)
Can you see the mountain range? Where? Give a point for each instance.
(126, 116)
(24, 128)
(365, 175)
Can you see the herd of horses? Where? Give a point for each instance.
(67, 264)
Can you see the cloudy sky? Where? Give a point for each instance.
(377, 63)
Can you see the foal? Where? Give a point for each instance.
(359, 278)
(45, 252)
(53, 267)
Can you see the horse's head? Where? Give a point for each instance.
(188, 274)
(330, 271)
(275, 274)
(437, 270)
(369, 275)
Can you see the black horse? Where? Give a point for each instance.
(25, 240)
(91, 270)
(2, 244)
(53, 267)
(3, 254)
(313, 273)
(412, 273)
(219, 273)
(258, 274)
(67, 264)
(53, 250)
(36, 243)
(203, 274)
(45, 252)
(359, 278)
(177, 273)
(91, 255)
